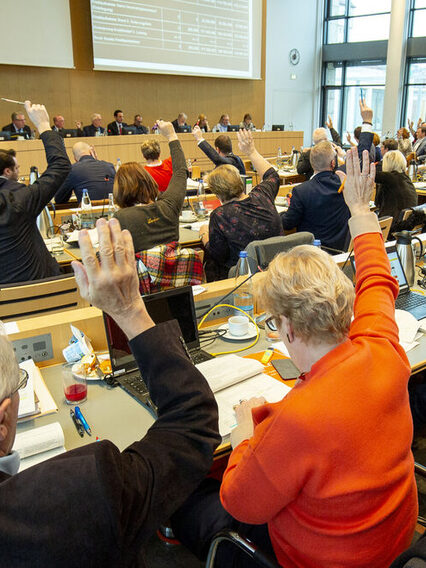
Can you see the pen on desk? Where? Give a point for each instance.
(80, 416)
(267, 355)
(12, 101)
(78, 425)
(342, 185)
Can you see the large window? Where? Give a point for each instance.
(415, 90)
(348, 21)
(344, 83)
(418, 18)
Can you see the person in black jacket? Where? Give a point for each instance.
(116, 128)
(94, 129)
(23, 254)
(395, 191)
(97, 176)
(17, 126)
(222, 153)
(94, 505)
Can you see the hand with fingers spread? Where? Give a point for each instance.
(359, 185)
(112, 284)
(245, 142)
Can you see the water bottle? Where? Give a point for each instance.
(118, 164)
(279, 158)
(33, 174)
(111, 206)
(86, 211)
(243, 297)
(189, 167)
(201, 196)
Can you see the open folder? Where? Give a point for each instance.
(234, 378)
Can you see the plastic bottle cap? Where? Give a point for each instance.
(243, 254)
(316, 243)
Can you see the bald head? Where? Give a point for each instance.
(80, 149)
(319, 135)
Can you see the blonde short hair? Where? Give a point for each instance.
(150, 150)
(9, 369)
(225, 181)
(394, 161)
(307, 287)
(321, 156)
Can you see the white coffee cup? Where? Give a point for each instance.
(187, 215)
(238, 325)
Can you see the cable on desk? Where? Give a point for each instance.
(244, 313)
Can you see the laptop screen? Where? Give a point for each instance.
(397, 270)
(176, 303)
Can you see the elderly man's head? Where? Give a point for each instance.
(80, 149)
(59, 121)
(181, 119)
(18, 119)
(319, 135)
(9, 397)
(323, 157)
(96, 119)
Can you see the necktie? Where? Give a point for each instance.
(119, 129)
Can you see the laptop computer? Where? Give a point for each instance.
(406, 300)
(176, 303)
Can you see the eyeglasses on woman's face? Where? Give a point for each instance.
(271, 324)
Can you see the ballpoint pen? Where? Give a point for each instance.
(78, 425)
(82, 420)
(12, 101)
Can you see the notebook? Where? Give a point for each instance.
(409, 301)
(176, 303)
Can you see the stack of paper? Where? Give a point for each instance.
(39, 444)
(39, 393)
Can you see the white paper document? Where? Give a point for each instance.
(39, 444)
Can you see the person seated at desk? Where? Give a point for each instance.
(247, 123)
(23, 254)
(222, 125)
(325, 477)
(304, 166)
(59, 123)
(95, 128)
(179, 122)
(160, 170)
(221, 153)
(97, 176)
(140, 128)
(203, 123)
(316, 206)
(95, 505)
(419, 146)
(395, 191)
(151, 217)
(241, 218)
(18, 127)
(115, 128)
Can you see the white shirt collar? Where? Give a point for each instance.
(10, 464)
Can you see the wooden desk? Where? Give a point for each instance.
(127, 148)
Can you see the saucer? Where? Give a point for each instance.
(251, 334)
(188, 219)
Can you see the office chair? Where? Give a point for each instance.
(250, 549)
(260, 253)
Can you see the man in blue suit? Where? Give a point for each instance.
(97, 176)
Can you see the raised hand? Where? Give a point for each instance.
(197, 133)
(329, 123)
(112, 284)
(359, 185)
(167, 130)
(366, 111)
(38, 116)
(245, 142)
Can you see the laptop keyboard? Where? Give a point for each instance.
(409, 301)
(134, 385)
(200, 356)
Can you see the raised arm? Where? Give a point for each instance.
(58, 164)
(208, 150)
(176, 190)
(247, 147)
(180, 444)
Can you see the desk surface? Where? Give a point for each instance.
(114, 415)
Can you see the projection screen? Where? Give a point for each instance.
(213, 38)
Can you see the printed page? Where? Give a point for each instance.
(39, 440)
(222, 372)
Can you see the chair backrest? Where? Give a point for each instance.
(260, 253)
(168, 266)
(385, 225)
(39, 298)
(252, 551)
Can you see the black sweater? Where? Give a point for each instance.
(96, 507)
